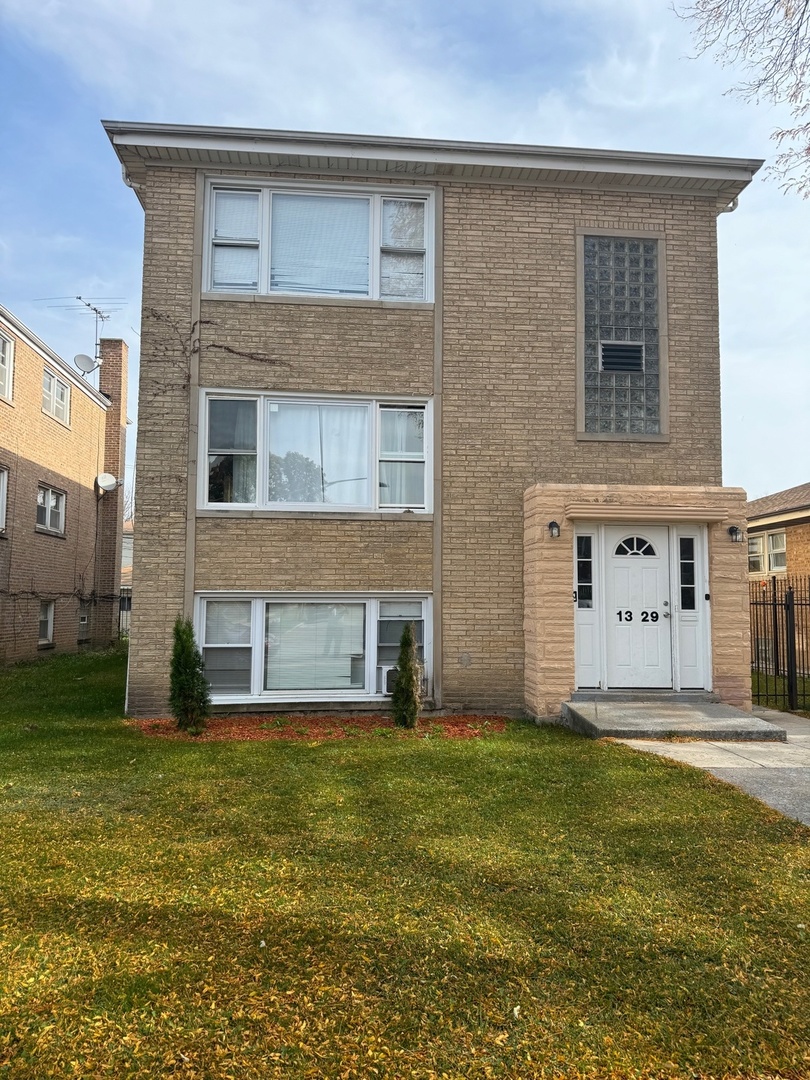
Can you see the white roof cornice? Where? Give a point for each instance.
(139, 145)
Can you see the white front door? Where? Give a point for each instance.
(638, 622)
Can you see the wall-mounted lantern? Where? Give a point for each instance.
(553, 530)
(736, 534)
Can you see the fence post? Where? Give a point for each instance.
(790, 650)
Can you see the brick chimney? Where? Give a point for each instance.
(113, 384)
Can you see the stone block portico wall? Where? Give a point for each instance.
(549, 614)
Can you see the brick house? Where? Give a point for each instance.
(779, 534)
(60, 539)
(473, 386)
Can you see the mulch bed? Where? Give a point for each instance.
(307, 727)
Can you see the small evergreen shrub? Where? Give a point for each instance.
(406, 699)
(189, 696)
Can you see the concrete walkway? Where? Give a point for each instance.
(776, 773)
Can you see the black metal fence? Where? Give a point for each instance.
(124, 609)
(780, 642)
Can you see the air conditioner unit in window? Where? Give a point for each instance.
(386, 674)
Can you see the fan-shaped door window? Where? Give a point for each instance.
(635, 545)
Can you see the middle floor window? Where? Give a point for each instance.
(288, 453)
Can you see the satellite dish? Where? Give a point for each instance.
(106, 481)
(85, 363)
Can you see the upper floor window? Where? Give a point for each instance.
(50, 509)
(55, 396)
(324, 243)
(279, 453)
(767, 553)
(6, 367)
(622, 360)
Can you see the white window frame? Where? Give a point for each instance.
(49, 604)
(372, 603)
(51, 405)
(61, 505)
(3, 497)
(6, 368)
(375, 195)
(766, 552)
(374, 405)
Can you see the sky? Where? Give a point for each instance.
(612, 74)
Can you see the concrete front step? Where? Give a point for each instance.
(657, 718)
(655, 696)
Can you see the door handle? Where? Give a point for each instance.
(667, 615)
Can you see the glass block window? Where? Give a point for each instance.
(621, 314)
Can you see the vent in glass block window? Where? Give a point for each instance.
(622, 356)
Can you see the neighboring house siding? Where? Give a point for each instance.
(500, 344)
(79, 563)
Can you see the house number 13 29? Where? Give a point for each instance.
(646, 616)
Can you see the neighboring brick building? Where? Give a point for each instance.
(779, 533)
(60, 540)
(358, 353)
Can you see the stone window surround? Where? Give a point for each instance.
(630, 234)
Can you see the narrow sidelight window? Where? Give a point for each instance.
(584, 571)
(687, 572)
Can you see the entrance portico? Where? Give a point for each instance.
(642, 589)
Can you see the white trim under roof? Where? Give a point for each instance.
(19, 329)
(142, 145)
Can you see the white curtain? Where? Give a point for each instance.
(314, 647)
(318, 453)
(320, 244)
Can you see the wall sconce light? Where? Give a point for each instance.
(553, 530)
(736, 534)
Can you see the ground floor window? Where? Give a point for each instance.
(290, 647)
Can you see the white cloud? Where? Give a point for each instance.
(621, 76)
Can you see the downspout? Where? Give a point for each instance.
(732, 206)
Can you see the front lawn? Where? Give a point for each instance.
(526, 904)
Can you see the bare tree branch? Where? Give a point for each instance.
(770, 41)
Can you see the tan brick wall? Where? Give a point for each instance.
(797, 542)
(312, 555)
(508, 334)
(36, 565)
(509, 378)
(168, 343)
(549, 577)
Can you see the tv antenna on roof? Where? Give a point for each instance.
(87, 364)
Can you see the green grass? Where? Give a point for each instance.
(771, 692)
(530, 904)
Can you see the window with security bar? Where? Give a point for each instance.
(622, 336)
